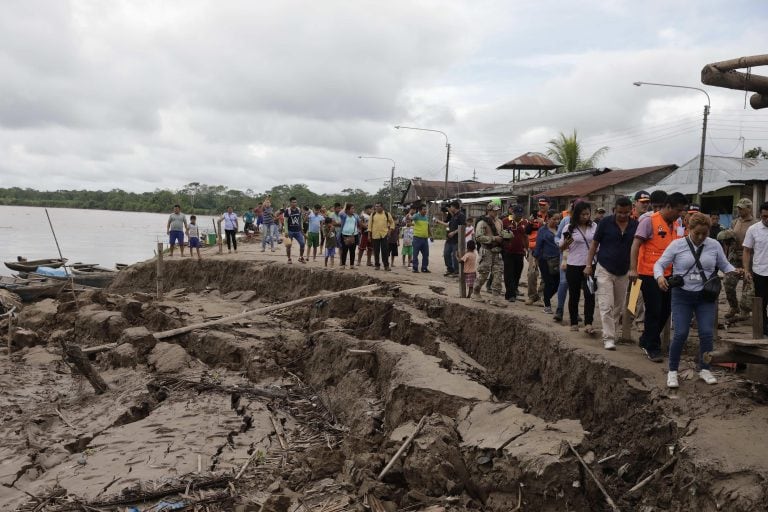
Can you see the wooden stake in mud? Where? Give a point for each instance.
(58, 248)
(462, 250)
(608, 499)
(260, 311)
(406, 444)
(74, 355)
(757, 318)
(159, 272)
(218, 235)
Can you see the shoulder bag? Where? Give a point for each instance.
(711, 290)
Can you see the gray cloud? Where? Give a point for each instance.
(140, 95)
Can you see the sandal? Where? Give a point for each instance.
(588, 329)
(290, 261)
(302, 260)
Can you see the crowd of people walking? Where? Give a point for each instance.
(586, 257)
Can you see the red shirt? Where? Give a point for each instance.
(519, 242)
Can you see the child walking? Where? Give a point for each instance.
(470, 267)
(331, 241)
(193, 233)
(408, 242)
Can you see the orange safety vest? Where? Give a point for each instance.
(652, 249)
(539, 222)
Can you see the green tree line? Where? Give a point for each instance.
(194, 198)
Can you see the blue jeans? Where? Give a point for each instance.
(420, 245)
(685, 304)
(562, 291)
(270, 235)
(449, 255)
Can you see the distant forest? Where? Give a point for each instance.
(193, 198)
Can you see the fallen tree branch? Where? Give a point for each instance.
(260, 311)
(608, 498)
(405, 445)
(642, 483)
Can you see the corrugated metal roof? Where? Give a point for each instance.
(530, 161)
(430, 190)
(592, 184)
(692, 188)
(717, 169)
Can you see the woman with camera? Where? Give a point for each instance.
(695, 287)
(577, 237)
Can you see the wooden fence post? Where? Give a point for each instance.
(159, 272)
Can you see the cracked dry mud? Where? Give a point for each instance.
(318, 398)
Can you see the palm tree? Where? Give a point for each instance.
(567, 150)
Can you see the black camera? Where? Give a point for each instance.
(675, 281)
(567, 234)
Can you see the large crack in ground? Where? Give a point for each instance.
(334, 387)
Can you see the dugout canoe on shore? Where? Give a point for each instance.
(24, 265)
(32, 289)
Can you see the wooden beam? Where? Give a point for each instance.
(260, 311)
(757, 318)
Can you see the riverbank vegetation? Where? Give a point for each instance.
(193, 198)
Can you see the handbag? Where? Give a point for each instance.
(349, 240)
(287, 241)
(712, 286)
(553, 265)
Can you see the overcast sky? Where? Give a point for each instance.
(141, 95)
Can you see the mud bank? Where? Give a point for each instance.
(320, 397)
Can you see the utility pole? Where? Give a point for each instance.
(447, 160)
(391, 188)
(701, 156)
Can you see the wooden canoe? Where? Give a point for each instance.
(30, 290)
(31, 265)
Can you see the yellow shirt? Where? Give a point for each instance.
(381, 223)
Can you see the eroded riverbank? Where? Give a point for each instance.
(320, 396)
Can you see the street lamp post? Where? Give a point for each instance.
(391, 177)
(447, 153)
(703, 131)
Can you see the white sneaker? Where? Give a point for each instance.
(672, 380)
(609, 345)
(707, 377)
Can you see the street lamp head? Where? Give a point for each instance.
(397, 127)
(359, 156)
(637, 84)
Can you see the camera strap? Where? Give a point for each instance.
(697, 256)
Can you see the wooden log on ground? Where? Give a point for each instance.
(99, 348)
(402, 449)
(730, 355)
(73, 354)
(260, 311)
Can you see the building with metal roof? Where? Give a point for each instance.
(420, 190)
(726, 180)
(603, 189)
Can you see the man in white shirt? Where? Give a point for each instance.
(756, 259)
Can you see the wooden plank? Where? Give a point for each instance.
(99, 348)
(744, 342)
(260, 311)
(757, 318)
